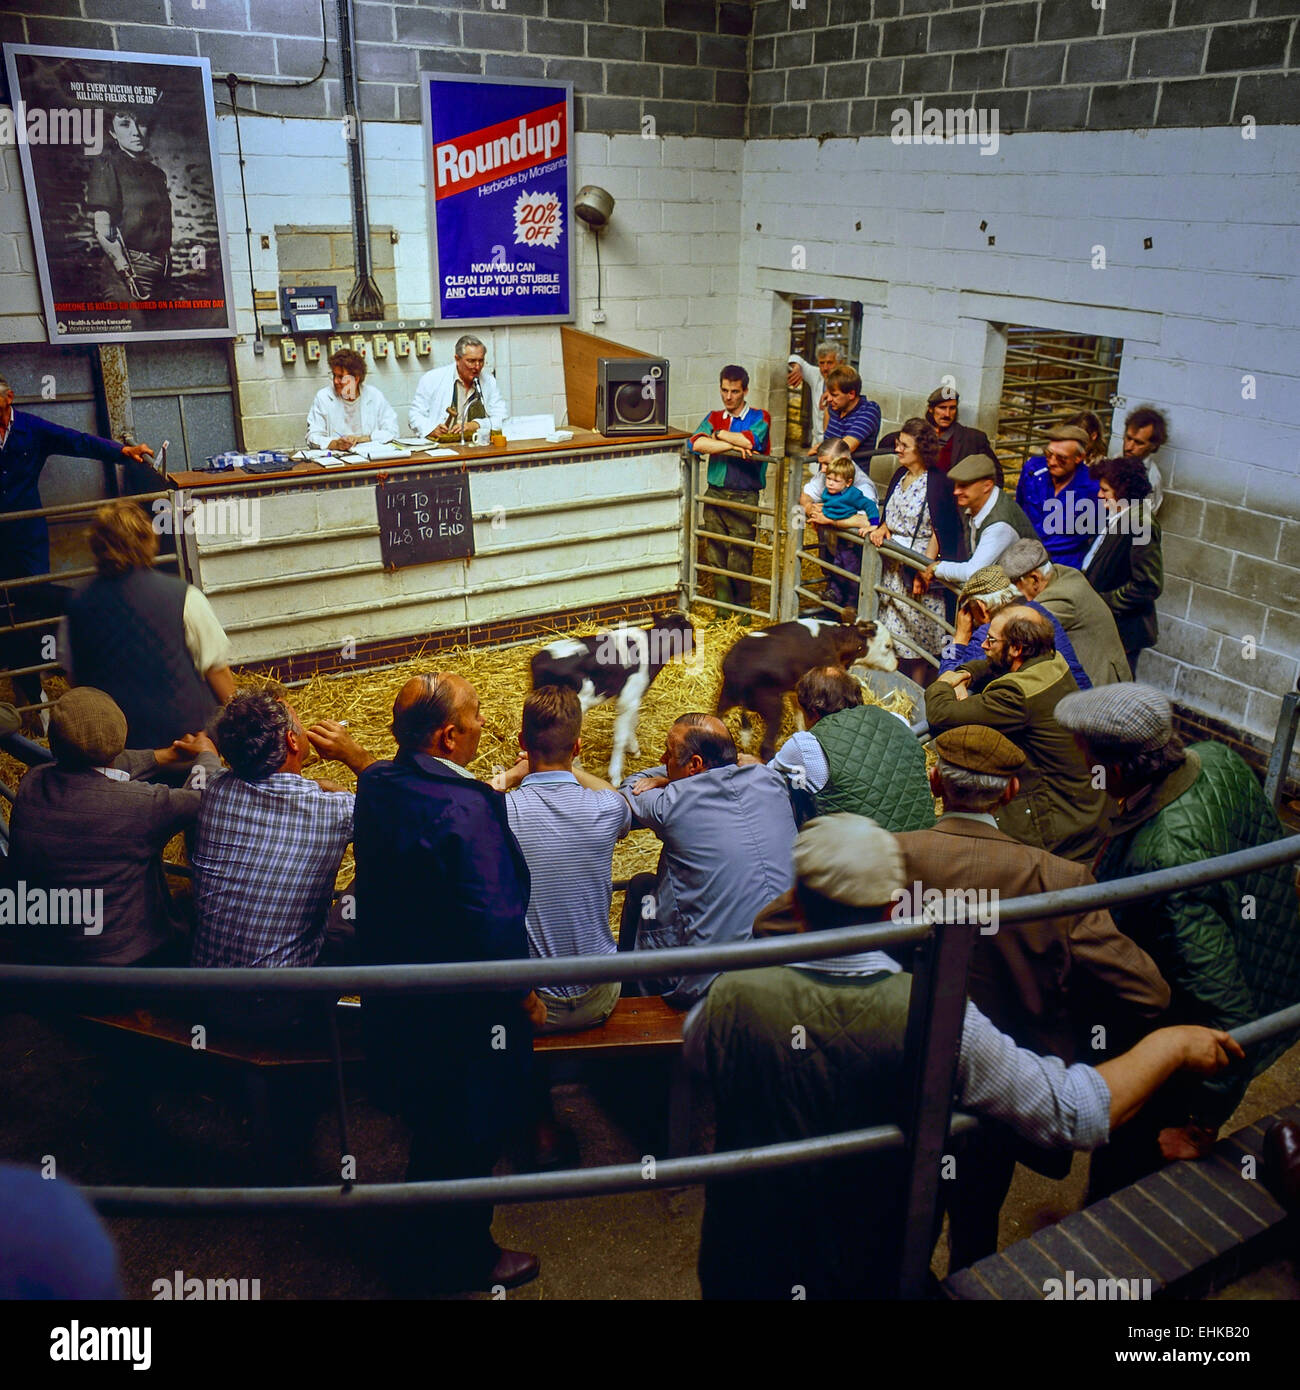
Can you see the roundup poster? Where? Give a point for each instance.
(119, 162)
(500, 161)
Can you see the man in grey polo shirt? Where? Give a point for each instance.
(728, 835)
(567, 823)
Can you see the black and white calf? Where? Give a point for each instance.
(763, 667)
(616, 664)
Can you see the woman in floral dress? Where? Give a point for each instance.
(916, 492)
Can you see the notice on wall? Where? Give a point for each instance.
(501, 183)
(425, 517)
(119, 160)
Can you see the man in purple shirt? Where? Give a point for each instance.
(1059, 496)
(851, 417)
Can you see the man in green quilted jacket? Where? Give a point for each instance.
(1230, 950)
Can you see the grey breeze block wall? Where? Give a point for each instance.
(840, 67)
(682, 62)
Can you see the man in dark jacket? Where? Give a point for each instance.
(440, 877)
(26, 444)
(1016, 691)
(1229, 950)
(957, 441)
(87, 832)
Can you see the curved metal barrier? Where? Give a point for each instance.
(933, 1035)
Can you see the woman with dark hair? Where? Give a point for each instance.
(920, 513)
(1125, 564)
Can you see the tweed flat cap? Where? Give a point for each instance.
(972, 468)
(979, 749)
(1075, 432)
(86, 726)
(942, 393)
(992, 579)
(849, 859)
(1137, 717)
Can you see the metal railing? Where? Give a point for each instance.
(932, 1036)
(869, 581)
(696, 468)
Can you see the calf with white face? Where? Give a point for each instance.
(616, 664)
(762, 668)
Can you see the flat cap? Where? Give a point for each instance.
(849, 859)
(86, 726)
(1074, 432)
(972, 468)
(979, 749)
(942, 393)
(1137, 717)
(992, 579)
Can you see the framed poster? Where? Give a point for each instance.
(499, 153)
(119, 158)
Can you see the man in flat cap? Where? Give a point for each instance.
(1059, 495)
(983, 595)
(1049, 982)
(1015, 690)
(793, 1052)
(992, 519)
(1064, 592)
(86, 825)
(957, 441)
(1230, 950)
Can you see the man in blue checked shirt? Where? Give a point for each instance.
(270, 840)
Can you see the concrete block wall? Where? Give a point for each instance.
(1207, 314)
(682, 63)
(842, 67)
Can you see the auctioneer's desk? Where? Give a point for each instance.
(585, 530)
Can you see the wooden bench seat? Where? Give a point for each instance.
(636, 1026)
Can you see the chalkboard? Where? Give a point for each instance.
(424, 517)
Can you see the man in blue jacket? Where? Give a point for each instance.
(26, 442)
(440, 877)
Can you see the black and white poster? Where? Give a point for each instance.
(119, 159)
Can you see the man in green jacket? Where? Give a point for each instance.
(1016, 691)
(1230, 950)
(797, 1051)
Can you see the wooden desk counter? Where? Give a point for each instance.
(583, 440)
(292, 561)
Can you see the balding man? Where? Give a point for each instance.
(440, 877)
(1016, 691)
(1074, 603)
(728, 834)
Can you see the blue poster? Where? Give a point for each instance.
(501, 182)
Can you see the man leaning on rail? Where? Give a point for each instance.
(793, 1052)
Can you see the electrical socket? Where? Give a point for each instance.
(598, 316)
(288, 351)
(312, 349)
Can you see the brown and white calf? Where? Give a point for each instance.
(615, 664)
(763, 667)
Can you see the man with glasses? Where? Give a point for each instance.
(1059, 496)
(1015, 690)
(449, 397)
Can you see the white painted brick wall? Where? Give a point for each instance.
(1219, 285)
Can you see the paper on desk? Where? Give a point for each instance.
(528, 427)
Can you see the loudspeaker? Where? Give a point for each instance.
(631, 395)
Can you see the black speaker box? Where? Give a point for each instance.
(631, 395)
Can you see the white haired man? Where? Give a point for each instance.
(1064, 592)
(447, 398)
(802, 372)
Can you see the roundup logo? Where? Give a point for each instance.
(499, 150)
